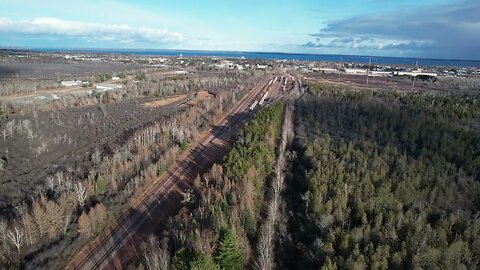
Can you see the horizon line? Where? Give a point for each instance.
(79, 49)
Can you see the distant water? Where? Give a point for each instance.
(286, 56)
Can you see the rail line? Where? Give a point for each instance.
(153, 197)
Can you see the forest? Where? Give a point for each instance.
(218, 226)
(382, 180)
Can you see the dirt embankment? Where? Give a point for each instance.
(185, 99)
(165, 101)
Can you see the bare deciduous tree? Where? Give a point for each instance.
(35, 117)
(155, 257)
(17, 236)
(39, 216)
(55, 217)
(9, 126)
(96, 157)
(2, 165)
(265, 249)
(26, 220)
(4, 134)
(3, 235)
(50, 182)
(100, 213)
(25, 125)
(81, 193)
(30, 135)
(265, 243)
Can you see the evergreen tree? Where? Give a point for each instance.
(229, 255)
(100, 185)
(181, 260)
(203, 262)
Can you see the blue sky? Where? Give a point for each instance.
(416, 28)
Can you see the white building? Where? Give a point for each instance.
(355, 71)
(70, 83)
(326, 70)
(103, 87)
(414, 73)
(180, 72)
(381, 73)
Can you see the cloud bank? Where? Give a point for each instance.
(445, 31)
(90, 32)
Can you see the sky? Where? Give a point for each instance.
(445, 29)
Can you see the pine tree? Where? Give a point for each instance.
(329, 265)
(100, 185)
(181, 260)
(204, 262)
(229, 255)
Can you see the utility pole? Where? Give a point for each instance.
(368, 70)
(414, 77)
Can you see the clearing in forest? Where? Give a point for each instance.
(199, 96)
(165, 101)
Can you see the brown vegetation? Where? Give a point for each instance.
(104, 155)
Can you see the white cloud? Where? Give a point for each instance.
(445, 31)
(90, 31)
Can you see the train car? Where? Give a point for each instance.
(262, 100)
(254, 104)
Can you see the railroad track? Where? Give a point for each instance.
(152, 198)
